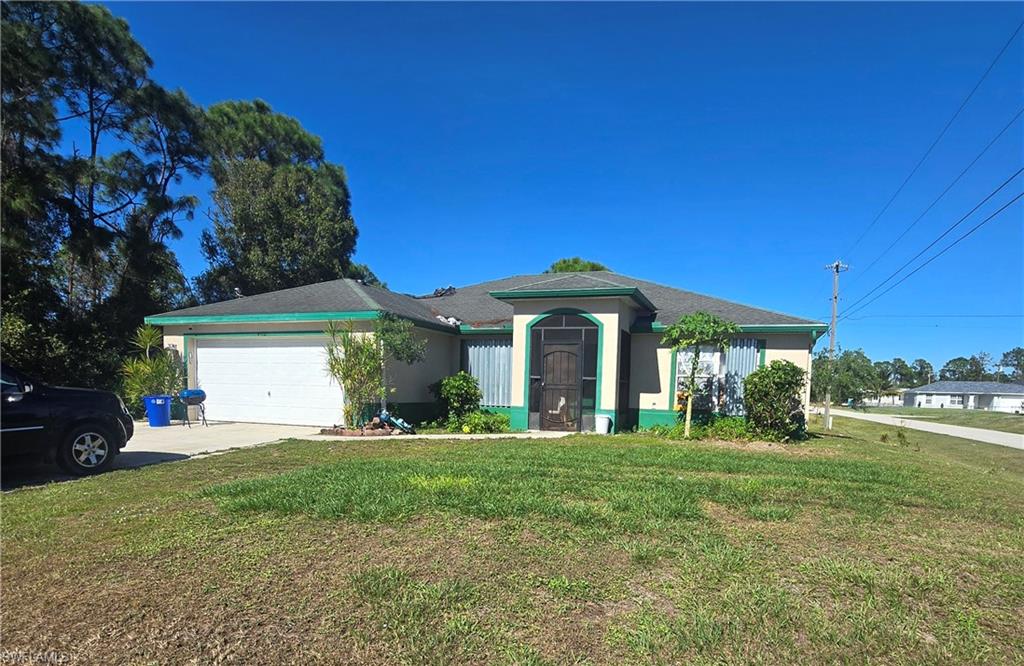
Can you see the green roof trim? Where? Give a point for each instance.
(814, 330)
(284, 317)
(170, 320)
(485, 330)
(631, 292)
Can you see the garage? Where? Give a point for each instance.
(267, 380)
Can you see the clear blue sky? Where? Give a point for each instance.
(725, 148)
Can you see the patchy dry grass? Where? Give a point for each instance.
(617, 549)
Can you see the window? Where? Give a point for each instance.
(490, 362)
(956, 400)
(927, 398)
(10, 383)
(707, 375)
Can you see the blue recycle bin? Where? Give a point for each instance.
(158, 410)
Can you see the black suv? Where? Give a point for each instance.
(81, 429)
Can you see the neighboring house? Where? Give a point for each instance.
(990, 396)
(891, 398)
(551, 350)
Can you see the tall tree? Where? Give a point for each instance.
(902, 373)
(281, 213)
(851, 373)
(275, 228)
(575, 265)
(959, 369)
(1013, 361)
(883, 378)
(924, 373)
(86, 219)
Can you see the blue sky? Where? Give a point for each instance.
(730, 149)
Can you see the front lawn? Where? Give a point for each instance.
(591, 549)
(971, 418)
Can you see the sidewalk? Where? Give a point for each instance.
(1009, 439)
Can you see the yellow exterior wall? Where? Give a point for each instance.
(441, 359)
(605, 310)
(650, 381)
(651, 378)
(795, 348)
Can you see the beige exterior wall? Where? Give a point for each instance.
(441, 359)
(795, 348)
(650, 381)
(605, 310)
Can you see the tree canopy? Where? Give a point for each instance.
(100, 168)
(282, 215)
(575, 265)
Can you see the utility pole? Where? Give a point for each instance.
(837, 267)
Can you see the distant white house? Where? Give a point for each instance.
(891, 398)
(988, 396)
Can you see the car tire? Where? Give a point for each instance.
(87, 449)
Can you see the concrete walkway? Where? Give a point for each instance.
(1009, 439)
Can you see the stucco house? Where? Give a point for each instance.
(551, 350)
(989, 396)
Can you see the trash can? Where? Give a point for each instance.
(603, 424)
(158, 410)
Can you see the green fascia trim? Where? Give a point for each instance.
(362, 315)
(507, 411)
(762, 348)
(159, 320)
(631, 292)
(498, 330)
(815, 330)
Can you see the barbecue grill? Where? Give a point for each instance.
(193, 398)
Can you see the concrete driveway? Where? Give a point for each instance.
(156, 445)
(176, 442)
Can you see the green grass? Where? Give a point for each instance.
(624, 549)
(962, 417)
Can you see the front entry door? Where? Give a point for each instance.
(560, 386)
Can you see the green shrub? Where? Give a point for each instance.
(156, 372)
(730, 428)
(772, 399)
(459, 394)
(478, 422)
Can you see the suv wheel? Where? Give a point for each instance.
(87, 449)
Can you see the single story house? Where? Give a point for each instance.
(990, 396)
(551, 350)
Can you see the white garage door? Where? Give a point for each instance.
(267, 380)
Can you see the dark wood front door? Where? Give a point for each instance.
(560, 387)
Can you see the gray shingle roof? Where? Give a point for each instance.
(474, 305)
(970, 387)
(334, 296)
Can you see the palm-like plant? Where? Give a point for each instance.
(154, 372)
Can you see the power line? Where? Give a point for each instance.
(944, 192)
(937, 316)
(939, 254)
(936, 141)
(932, 244)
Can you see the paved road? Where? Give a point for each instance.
(1010, 439)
